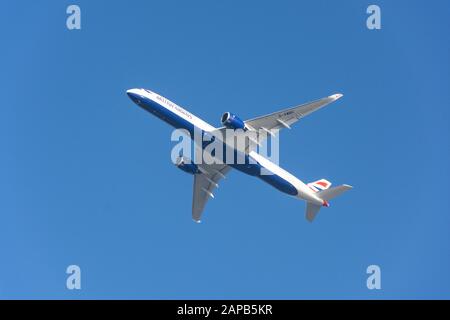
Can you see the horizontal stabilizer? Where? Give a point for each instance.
(327, 194)
(331, 193)
(311, 211)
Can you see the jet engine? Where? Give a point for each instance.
(232, 121)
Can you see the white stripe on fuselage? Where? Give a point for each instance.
(304, 191)
(173, 107)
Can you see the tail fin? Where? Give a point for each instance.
(319, 185)
(326, 194)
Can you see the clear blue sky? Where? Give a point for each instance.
(86, 177)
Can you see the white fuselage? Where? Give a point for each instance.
(180, 118)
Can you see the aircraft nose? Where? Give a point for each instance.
(133, 95)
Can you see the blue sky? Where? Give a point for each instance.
(86, 177)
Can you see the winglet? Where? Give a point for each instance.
(336, 96)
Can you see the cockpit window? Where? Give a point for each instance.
(148, 91)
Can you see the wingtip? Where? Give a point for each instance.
(348, 186)
(336, 96)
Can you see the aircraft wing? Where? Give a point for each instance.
(204, 184)
(270, 124)
(285, 118)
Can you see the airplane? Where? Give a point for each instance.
(317, 194)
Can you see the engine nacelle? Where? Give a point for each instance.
(232, 121)
(187, 165)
